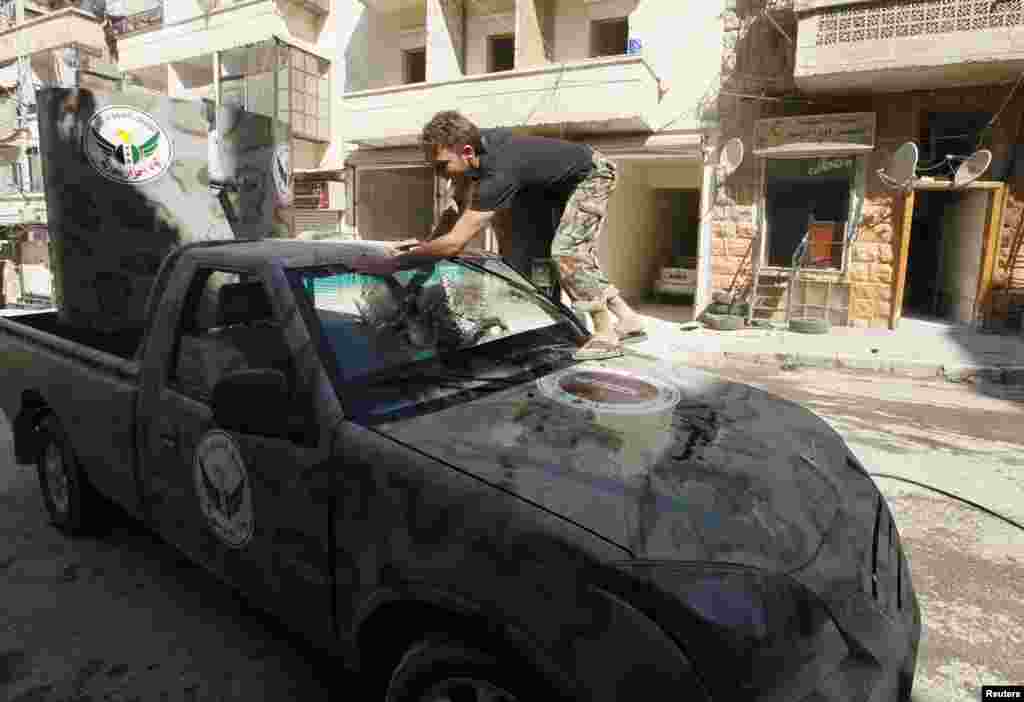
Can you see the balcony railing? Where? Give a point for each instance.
(144, 21)
(900, 44)
(67, 27)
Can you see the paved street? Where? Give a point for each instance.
(126, 619)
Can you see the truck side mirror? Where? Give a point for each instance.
(253, 401)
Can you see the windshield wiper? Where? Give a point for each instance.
(453, 380)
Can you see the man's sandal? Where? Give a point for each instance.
(598, 349)
(634, 336)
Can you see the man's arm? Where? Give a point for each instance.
(468, 226)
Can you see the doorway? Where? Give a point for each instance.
(674, 266)
(944, 260)
(394, 203)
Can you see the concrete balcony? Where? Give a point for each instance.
(897, 46)
(201, 34)
(614, 94)
(68, 27)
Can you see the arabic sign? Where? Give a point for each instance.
(854, 131)
(831, 167)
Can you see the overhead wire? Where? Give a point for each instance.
(952, 496)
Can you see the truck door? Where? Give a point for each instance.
(252, 509)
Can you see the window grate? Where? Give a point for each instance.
(910, 19)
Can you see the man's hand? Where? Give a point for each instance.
(383, 264)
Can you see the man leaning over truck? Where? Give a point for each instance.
(502, 166)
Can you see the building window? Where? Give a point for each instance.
(302, 85)
(951, 133)
(311, 95)
(609, 37)
(501, 52)
(808, 196)
(247, 78)
(35, 170)
(415, 65)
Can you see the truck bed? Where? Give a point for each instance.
(89, 381)
(122, 344)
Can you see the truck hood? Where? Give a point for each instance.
(668, 463)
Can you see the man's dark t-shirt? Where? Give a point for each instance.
(511, 164)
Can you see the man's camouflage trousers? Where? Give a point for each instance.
(574, 247)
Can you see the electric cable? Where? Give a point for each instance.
(548, 50)
(952, 496)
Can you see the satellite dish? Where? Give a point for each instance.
(902, 169)
(730, 157)
(972, 169)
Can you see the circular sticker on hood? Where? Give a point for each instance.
(126, 145)
(610, 391)
(222, 484)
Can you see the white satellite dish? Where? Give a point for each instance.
(902, 169)
(972, 168)
(730, 157)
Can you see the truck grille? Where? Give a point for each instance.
(888, 568)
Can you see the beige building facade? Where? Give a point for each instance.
(357, 79)
(630, 77)
(823, 93)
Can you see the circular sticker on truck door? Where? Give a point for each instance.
(222, 485)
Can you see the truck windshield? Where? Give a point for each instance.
(378, 327)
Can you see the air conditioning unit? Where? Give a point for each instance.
(319, 195)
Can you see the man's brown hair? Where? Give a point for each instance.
(450, 129)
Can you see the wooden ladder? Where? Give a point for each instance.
(761, 292)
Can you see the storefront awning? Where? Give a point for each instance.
(398, 157)
(813, 149)
(679, 145)
(815, 135)
(638, 146)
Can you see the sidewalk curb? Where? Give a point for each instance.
(952, 373)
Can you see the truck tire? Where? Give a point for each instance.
(810, 326)
(439, 668)
(723, 322)
(69, 498)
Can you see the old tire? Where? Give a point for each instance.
(438, 668)
(723, 322)
(69, 498)
(810, 326)
(718, 308)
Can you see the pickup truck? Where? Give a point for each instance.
(413, 472)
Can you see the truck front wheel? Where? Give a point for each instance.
(437, 669)
(66, 493)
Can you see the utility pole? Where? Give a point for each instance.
(22, 118)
